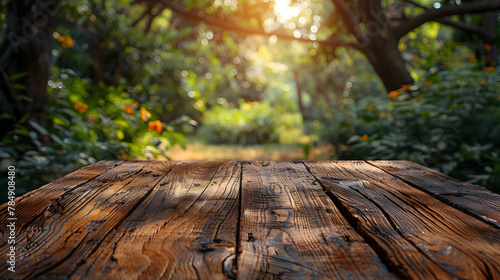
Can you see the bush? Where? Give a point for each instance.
(448, 121)
(251, 123)
(83, 124)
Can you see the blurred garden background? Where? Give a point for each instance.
(83, 81)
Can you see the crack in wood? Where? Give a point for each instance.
(443, 197)
(292, 220)
(351, 219)
(130, 211)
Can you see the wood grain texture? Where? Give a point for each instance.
(185, 229)
(74, 223)
(421, 236)
(289, 229)
(473, 199)
(259, 220)
(32, 204)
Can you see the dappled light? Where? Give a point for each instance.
(283, 9)
(251, 79)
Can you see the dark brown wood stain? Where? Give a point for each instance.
(255, 220)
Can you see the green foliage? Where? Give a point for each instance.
(251, 123)
(447, 121)
(77, 136)
(113, 94)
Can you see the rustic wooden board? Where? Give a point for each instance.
(74, 224)
(290, 229)
(262, 220)
(185, 229)
(31, 205)
(470, 198)
(421, 236)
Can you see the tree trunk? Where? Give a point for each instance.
(380, 45)
(26, 48)
(491, 27)
(323, 93)
(299, 96)
(387, 61)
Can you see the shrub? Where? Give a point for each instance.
(251, 123)
(83, 124)
(448, 121)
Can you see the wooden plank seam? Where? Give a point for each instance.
(294, 220)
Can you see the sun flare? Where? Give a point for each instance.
(282, 8)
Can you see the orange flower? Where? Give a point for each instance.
(81, 107)
(364, 138)
(489, 69)
(427, 84)
(446, 63)
(405, 87)
(145, 115)
(369, 109)
(393, 94)
(342, 85)
(137, 104)
(487, 47)
(66, 41)
(498, 98)
(128, 109)
(469, 56)
(482, 82)
(416, 56)
(472, 60)
(155, 125)
(418, 98)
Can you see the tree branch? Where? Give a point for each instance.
(460, 25)
(416, 4)
(143, 15)
(230, 26)
(350, 20)
(408, 25)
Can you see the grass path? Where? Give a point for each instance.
(200, 151)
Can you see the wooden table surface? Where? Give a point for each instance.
(255, 220)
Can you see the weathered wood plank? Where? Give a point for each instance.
(31, 204)
(473, 199)
(423, 237)
(290, 229)
(74, 223)
(185, 229)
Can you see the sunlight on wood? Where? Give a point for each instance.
(255, 220)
